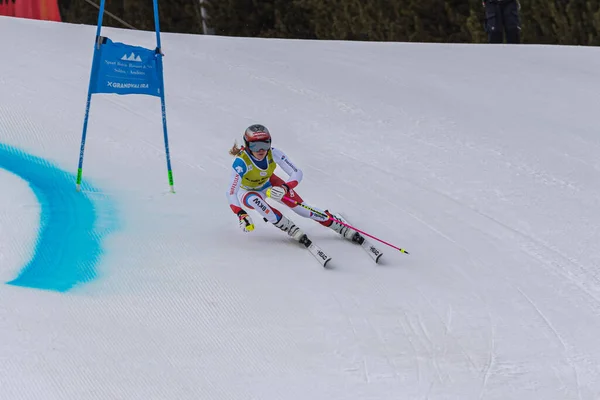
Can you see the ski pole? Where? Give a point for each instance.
(343, 223)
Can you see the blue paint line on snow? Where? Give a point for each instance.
(68, 246)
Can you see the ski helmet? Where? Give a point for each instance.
(257, 137)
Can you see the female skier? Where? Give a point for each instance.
(253, 179)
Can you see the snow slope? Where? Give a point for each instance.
(482, 161)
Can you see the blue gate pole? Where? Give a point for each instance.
(89, 96)
(159, 65)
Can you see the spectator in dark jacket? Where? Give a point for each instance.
(502, 17)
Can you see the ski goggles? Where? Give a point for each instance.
(256, 146)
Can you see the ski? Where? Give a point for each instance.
(316, 251)
(373, 251)
(313, 249)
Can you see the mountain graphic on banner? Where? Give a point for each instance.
(132, 57)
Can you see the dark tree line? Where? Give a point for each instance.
(175, 15)
(573, 22)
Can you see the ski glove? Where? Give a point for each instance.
(246, 223)
(277, 192)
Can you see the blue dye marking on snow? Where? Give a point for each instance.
(68, 246)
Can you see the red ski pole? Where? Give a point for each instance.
(345, 224)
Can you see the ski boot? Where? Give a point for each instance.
(347, 233)
(292, 230)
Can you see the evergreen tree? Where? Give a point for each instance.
(264, 18)
(569, 22)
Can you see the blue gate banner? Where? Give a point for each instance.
(119, 68)
(124, 69)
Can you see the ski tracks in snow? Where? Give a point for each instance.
(363, 331)
(418, 326)
(488, 370)
(536, 256)
(558, 337)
